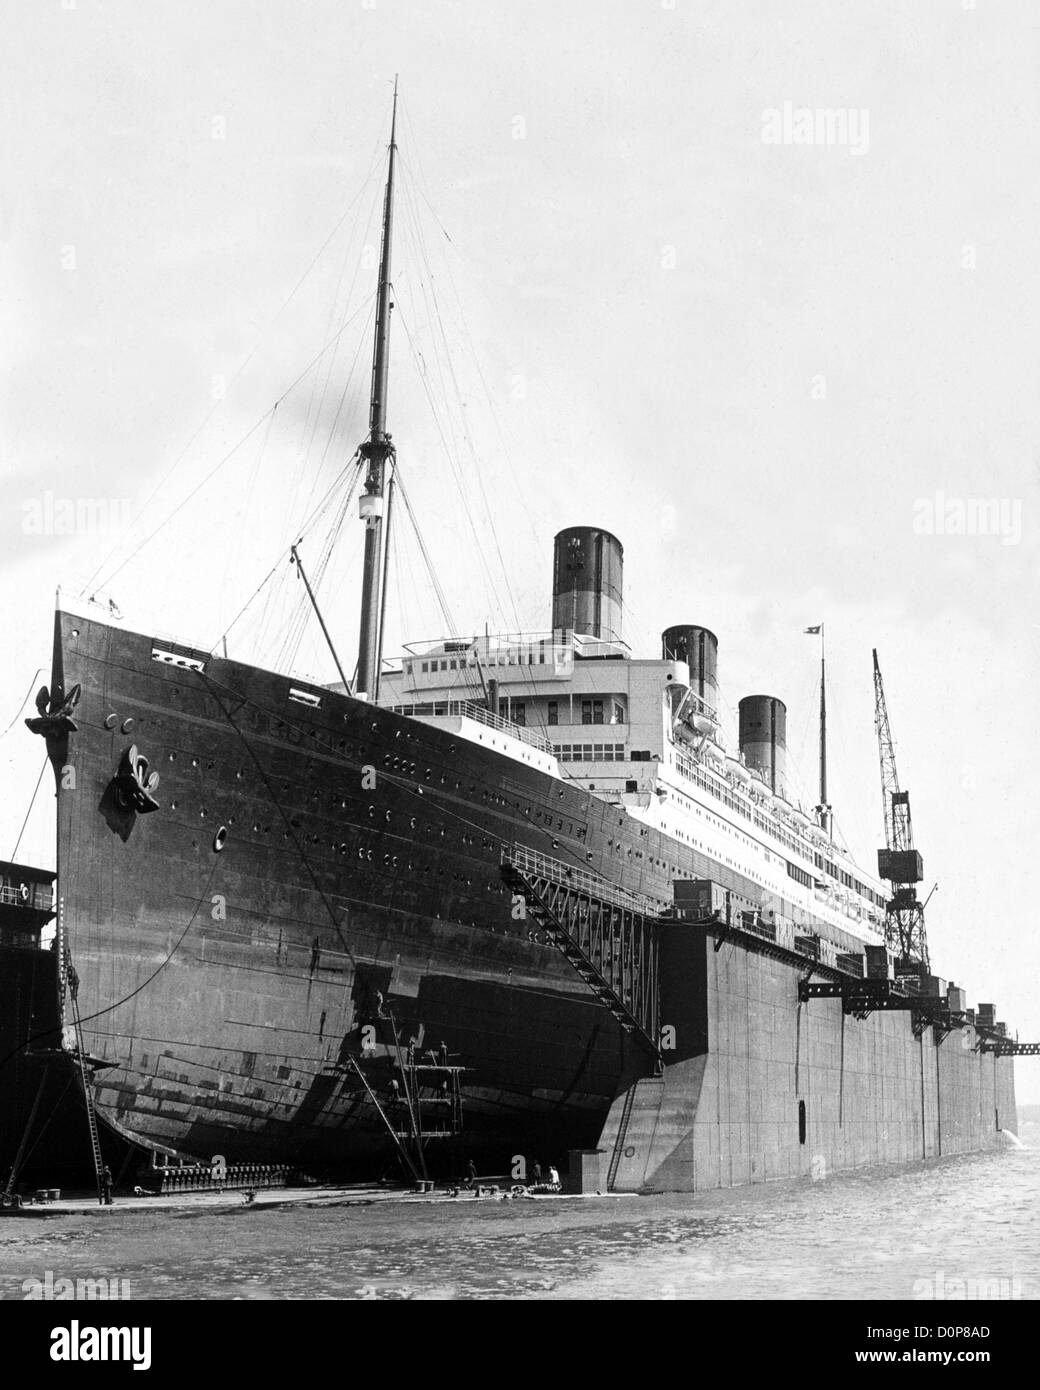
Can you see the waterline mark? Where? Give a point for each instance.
(822, 125)
(969, 516)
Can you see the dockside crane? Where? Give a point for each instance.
(898, 863)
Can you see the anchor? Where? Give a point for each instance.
(134, 784)
(54, 719)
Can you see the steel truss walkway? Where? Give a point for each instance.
(863, 997)
(1006, 1047)
(608, 936)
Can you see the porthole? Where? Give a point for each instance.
(111, 721)
(220, 839)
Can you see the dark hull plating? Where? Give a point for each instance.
(359, 875)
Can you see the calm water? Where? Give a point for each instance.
(861, 1235)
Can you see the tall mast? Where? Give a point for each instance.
(377, 451)
(823, 728)
(823, 810)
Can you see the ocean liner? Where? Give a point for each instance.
(509, 895)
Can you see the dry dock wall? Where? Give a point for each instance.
(761, 1087)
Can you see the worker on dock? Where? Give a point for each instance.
(471, 1172)
(106, 1185)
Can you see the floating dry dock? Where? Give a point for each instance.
(775, 1066)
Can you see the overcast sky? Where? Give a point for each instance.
(757, 359)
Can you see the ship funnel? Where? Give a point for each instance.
(699, 648)
(587, 568)
(763, 738)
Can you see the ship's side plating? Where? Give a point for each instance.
(313, 865)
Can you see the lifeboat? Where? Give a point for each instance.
(737, 771)
(714, 753)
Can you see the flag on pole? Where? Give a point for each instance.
(814, 630)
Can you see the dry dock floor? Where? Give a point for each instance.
(355, 1194)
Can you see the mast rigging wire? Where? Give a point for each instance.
(92, 581)
(231, 452)
(32, 803)
(438, 591)
(28, 694)
(321, 505)
(437, 322)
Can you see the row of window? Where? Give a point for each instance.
(462, 663)
(799, 875)
(590, 752)
(717, 788)
(592, 711)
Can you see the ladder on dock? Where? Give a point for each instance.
(622, 1135)
(414, 1112)
(406, 1157)
(88, 1100)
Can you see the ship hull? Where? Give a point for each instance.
(358, 882)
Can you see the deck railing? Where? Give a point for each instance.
(472, 709)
